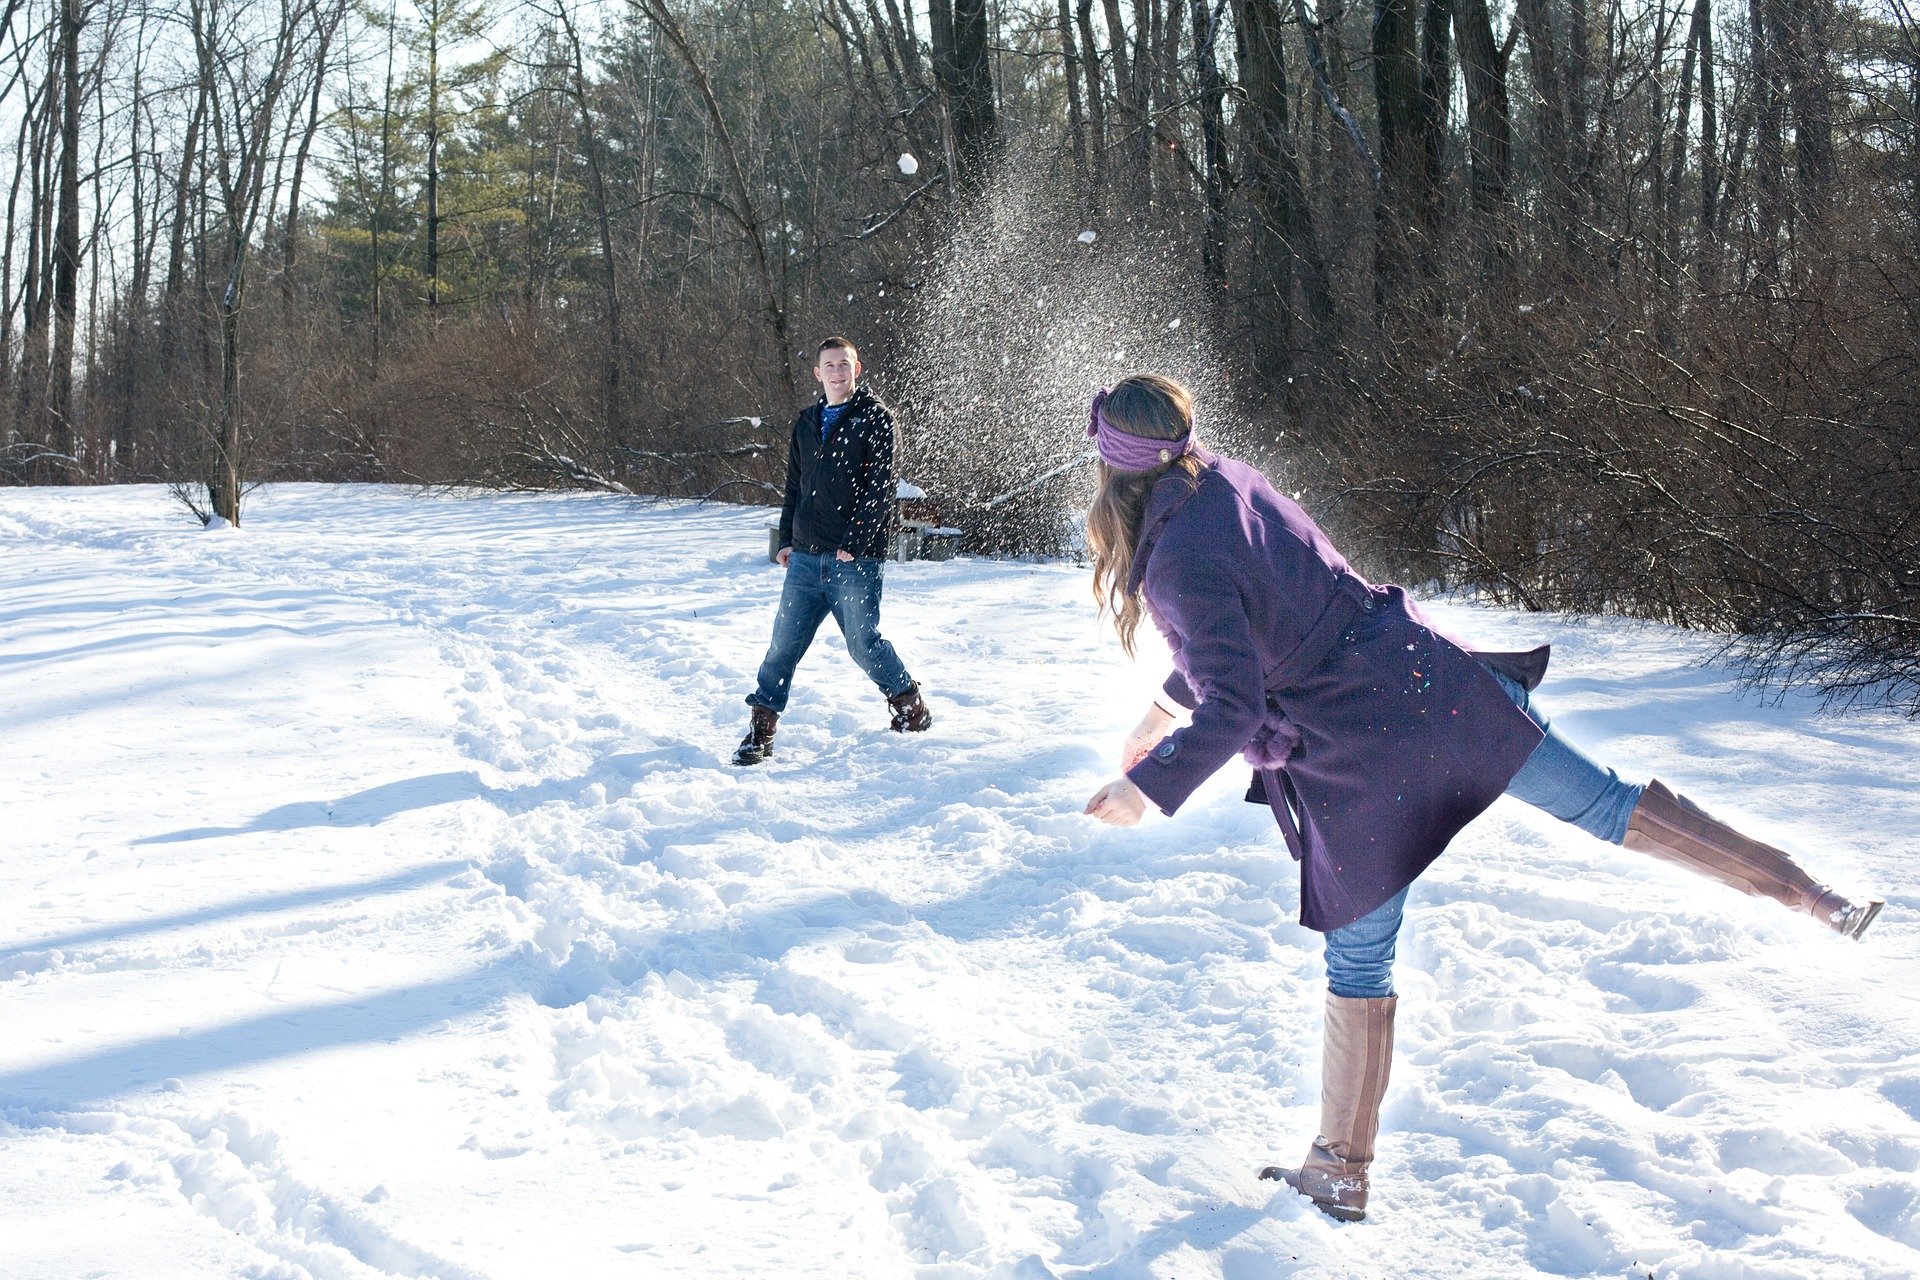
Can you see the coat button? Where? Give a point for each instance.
(1167, 750)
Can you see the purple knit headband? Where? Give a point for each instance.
(1130, 452)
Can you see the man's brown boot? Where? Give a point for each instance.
(1353, 1079)
(1675, 829)
(758, 744)
(910, 714)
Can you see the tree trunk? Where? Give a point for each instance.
(1676, 169)
(1802, 38)
(1283, 242)
(8, 414)
(612, 408)
(1070, 72)
(433, 157)
(244, 118)
(1211, 90)
(30, 398)
(1768, 147)
(1550, 103)
(223, 486)
(1133, 183)
(1709, 143)
(383, 200)
(1096, 102)
(1396, 94)
(173, 311)
(976, 121)
(61, 434)
(289, 240)
(1436, 97)
(1489, 124)
(1581, 148)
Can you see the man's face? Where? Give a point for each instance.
(836, 371)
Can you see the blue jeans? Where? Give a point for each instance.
(817, 586)
(1557, 778)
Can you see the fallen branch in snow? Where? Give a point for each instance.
(761, 485)
(687, 464)
(584, 476)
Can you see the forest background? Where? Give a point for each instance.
(1589, 305)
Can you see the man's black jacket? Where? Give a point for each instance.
(840, 493)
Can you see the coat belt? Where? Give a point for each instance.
(1351, 599)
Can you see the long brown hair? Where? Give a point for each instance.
(1155, 408)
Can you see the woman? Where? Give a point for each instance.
(1374, 737)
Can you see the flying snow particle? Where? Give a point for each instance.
(1087, 237)
(754, 421)
(908, 165)
(1175, 324)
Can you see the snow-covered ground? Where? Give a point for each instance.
(376, 900)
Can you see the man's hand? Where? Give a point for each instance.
(783, 555)
(843, 556)
(1118, 804)
(1152, 727)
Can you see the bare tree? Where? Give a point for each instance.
(245, 70)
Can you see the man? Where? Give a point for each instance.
(834, 528)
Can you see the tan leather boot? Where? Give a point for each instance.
(1675, 829)
(1353, 1079)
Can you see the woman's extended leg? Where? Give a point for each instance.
(1563, 781)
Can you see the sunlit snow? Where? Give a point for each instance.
(377, 901)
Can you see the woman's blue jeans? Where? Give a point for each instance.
(1557, 778)
(815, 587)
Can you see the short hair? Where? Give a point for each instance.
(836, 341)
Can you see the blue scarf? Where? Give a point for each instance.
(829, 415)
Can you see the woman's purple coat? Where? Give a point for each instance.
(1374, 737)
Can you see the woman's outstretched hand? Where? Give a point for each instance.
(1118, 804)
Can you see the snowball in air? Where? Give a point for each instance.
(1087, 237)
(1175, 324)
(909, 165)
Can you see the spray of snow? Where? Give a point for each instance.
(1020, 323)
